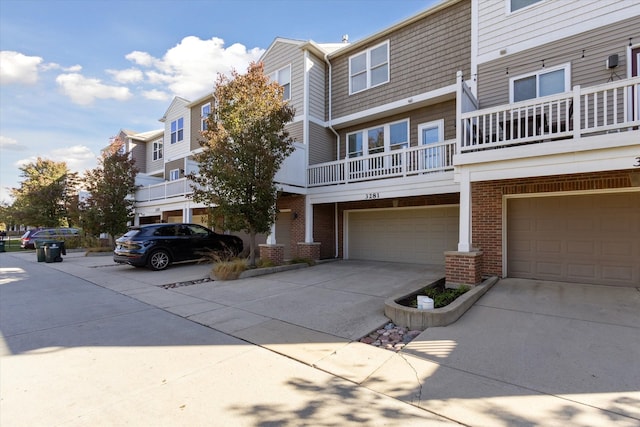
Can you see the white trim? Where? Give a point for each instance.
(406, 103)
(386, 131)
(203, 118)
(630, 59)
(275, 76)
(171, 178)
(435, 123)
(367, 69)
(507, 197)
(567, 79)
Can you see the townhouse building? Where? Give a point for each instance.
(492, 137)
(548, 143)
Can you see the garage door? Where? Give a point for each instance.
(403, 235)
(585, 238)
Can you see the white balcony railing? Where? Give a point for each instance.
(405, 162)
(581, 112)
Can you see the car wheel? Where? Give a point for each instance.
(159, 260)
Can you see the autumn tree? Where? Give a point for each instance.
(43, 196)
(244, 146)
(111, 188)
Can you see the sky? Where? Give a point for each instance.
(73, 73)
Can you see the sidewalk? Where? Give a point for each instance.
(527, 353)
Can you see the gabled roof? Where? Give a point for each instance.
(149, 135)
(278, 40)
(176, 100)
(443, 4)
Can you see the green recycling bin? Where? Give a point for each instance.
(2, 246)
(52, 252)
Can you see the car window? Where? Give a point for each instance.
(197, 230)
(25, 235)
(167, 230)
(131, 233)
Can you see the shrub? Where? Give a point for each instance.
(229, 270)
(307, 261)
(443, 297)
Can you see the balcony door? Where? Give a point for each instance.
(635, 72)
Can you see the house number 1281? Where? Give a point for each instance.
(372, 196)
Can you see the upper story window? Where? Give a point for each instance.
(541, 83)
(369, 68)
(157, 150)
(520, 4)
(177, 130)
(205, 111)
(174, 174)
(283, 77)
(391, 136)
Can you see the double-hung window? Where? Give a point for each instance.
(542, 83)
(177, 130)
(157, 150)
(369, 68)
(379, 139)
(283, 77)
(174, 174)
(205, 111)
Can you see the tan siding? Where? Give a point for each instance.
(153, 165)
(322, 144)
(139, 154)
(444, 110)
(196, 112)
(493, 80)
(175, 164)
(296, 131)
(548, 19)
(280, 55)
(317, 88)
(424, 56)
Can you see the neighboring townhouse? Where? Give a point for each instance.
(380, 182)
(548, 144)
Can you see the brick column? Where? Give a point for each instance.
(273, 253)
(463, 268)
(309, 250)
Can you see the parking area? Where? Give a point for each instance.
(527, 353)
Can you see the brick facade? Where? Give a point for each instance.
(273, 253)
(487, 199)
(297, 205)
(463, 268)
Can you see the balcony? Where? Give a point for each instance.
(291, 173)
(580, 113)
(398, 163)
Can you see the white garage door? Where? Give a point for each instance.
(416, 235)
(584, 238)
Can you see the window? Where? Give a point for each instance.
(205, 111)
(283, 77)
(369, 69)
(157, 150)
(520, 4)
(391, 136)
(174, 174)
(432, 133)
(542, 83)
(177, 130)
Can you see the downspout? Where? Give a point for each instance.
(326, 59)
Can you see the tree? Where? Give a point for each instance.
(111, 186)
(42, 198)
(244, 146)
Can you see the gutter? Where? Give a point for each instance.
(326, 59)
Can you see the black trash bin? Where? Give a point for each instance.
(52, 251)
(40, 245)
(2, 246)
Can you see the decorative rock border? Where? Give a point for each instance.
(417, 319)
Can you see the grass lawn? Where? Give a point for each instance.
(12, 245)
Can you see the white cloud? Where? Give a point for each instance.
(77, 157)
(141, 58)
(18, 68)
(131, 75)
(53, 66)
(10, 144)
(190, 68)
(156, 95)
(84, 90)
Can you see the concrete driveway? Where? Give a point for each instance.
(528, 353)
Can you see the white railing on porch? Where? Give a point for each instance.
(165, 190)
(405, 162)
(581, 112)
